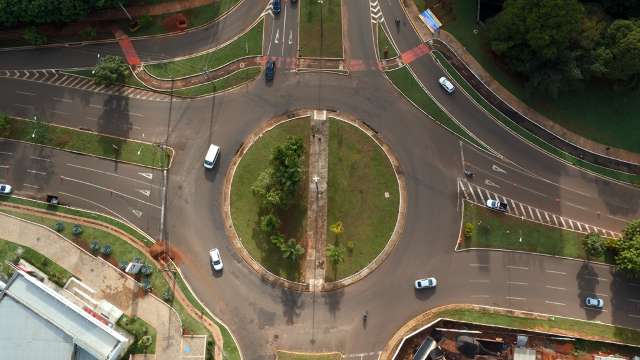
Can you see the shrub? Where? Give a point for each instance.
(146, 270)
(269, 224)
(145, 21)
(167, 295)
(107, 250)
(468, 230)
(88, 33)
(59, 226)
(593, 245)
(76, 230)
(34, 37)
(95, 247)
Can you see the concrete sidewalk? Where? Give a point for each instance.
(110, 283)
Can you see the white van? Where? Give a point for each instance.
(212, 156)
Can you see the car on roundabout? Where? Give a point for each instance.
(5, 189)
(426, 283)
(216, 259)
(446, 85)
(594, 302)
(270, 70)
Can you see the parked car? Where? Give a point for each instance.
(426, 283)
(5, 189)
(270, 70)
(594, 302)
(216, 260)
(497, 205)
(276, 7)
(446, 85)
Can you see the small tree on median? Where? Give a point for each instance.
(292, 250)
(269, 224)
(111, 70)
(593, 245)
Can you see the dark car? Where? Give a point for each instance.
(270, 70)
(276, 7)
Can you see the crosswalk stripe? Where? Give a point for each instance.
(513, 206)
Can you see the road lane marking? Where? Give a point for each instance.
(530, 212)
(596, 278)
(555, 287)
(513, 206)
(102, 206)
(25, 93)
(603, 295)
(539, 217)
(137, 213)
(479, 265)
(479, 281)
(555, 220)
(563, 223)
(574, 205)
(24, 106)
(4, 166)
(60, 112)
(522, 209)
(37, 172)
(6, 153)
(546, 214)
(517, 283)
(633, 300)
(517, 267)
(113, 174)
(556, 272)
(145, 192)
(136, 114)
(147, 175)
(32, 186)
(479, 296)
(39, 158)
(96, 106)
(110, 190)
(514, 298)
(634, 316)
(555, 303)
(62, 99)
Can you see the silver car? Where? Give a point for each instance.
(594, 302)
(446, 85)
(216, 260)
(426, 283)
(5, 189)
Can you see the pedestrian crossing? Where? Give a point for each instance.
(479, 195)
(60, 78)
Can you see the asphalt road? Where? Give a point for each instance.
(264, 317)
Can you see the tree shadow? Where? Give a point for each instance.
(115, 121)
(333, 300)
(587, 279)
(291, 304)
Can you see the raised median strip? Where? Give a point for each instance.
(320, 31)
(577, 157)
(405, 81)
(85, 142)
(228, 82)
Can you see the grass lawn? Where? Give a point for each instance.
(359, 176)
(555, 324)
(501, 231)
(249, 44)
(321, 28)
(70, 139)
(237, 78)
(582, 111)
(244, 207)
(139, 328)
(404, 80)
(610, 173)
(384, 43)
(10, 251)
(285, 355)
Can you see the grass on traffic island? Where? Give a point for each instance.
(245, 210)
(321, 28)
(65, 138)
(248, 44)
(288, 355)
(496, 230)
(385, 44)
(524, 133)
(140, 330)
(122, 251)
(360, 179)
(237, 78)
(404, 80)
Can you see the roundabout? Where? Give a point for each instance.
(345, 170)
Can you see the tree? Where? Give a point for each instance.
(94, 247)
(278, 241)
(593, 245)
(269, 224)
(337, 229)
(628, 258)
(621, 52)
(111, 70)
(34, 37)
(335, 253)
(538, 39)
(107, 250)
(51, 11)
(292, 250)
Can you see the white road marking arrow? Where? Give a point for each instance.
(147, 175)
(145, 192)
(277, 36)
(498, 169)
(290, 37)
(137, 213)
(491, 183)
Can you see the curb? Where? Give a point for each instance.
(402, 207)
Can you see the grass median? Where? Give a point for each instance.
(69, 139)
(321, 28)
(248, 44)
(286, 355)
(500, 231)
(245, 209)
(237, 78)
(385, 44)
(361, 181)
(404, 80)
(606, 172)
(139, 329)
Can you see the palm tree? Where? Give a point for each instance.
(337, 228)
(335, 253)
(292, 250)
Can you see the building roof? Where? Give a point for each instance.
(520, 353)
(54, 324)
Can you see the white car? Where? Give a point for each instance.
(426, 283)
(216, 260)
(594, 302)
(5, 189)
(446, 85)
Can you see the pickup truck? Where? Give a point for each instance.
(497, 205)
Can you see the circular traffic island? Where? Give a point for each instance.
(314, 200)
